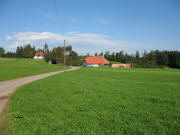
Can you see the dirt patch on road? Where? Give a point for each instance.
(3, 97)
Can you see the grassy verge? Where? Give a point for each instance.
(100, 101)
(15, 68)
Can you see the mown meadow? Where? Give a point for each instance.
(97, 101)
(15, 68)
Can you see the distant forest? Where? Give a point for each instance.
(152, 59)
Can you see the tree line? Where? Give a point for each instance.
(21, 52)
(54, 56)
(154, 58)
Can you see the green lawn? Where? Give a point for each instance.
(15, 68)
(97, 101)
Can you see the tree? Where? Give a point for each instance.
(87, 54)
(47, 56)
(28, 51)
(2, 52)
(96, 54)
(101, 54)
(39, 50)
(75, 59)
(113, 57)
(177, 59)
(137, 57)
(106, 55)
(117, 56)
(56, 56)
(46, 49)
(121, 54)
(10, 55)
(25, 51)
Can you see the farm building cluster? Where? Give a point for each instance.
(96, 61)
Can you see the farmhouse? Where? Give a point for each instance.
(39, 55)
(95, 61)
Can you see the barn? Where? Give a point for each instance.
(39, 55)
(95, 61)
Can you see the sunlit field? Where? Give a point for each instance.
(97, 101)
(15, 68)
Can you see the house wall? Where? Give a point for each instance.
(41, 57)
(38, 57)
(121, 65)
(35, 57)
(89, 65)
(92, 65)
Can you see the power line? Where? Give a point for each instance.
(59, 23)
(58, 17)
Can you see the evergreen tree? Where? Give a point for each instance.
(96, 54)
(101, 54)
(2, 52)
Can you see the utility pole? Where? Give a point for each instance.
(64, 55)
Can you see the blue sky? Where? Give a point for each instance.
(91, 25)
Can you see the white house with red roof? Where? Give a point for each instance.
(39, 55)
(95, 61)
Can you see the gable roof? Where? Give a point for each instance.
(39, 54)
(96, 60)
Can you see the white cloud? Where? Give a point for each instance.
(102, 20)
(81, 42)
(8, 37)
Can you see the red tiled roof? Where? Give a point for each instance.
(96, 60)
(39, 54)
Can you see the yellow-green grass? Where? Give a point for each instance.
(97, 101)
(15, 68)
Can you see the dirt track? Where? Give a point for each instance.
(9, 86)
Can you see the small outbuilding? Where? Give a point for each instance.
(121, 65)
(95, 61)
(39, 55)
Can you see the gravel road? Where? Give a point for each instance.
(9, 86)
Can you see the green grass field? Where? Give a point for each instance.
(15, 68)
(97, 101)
